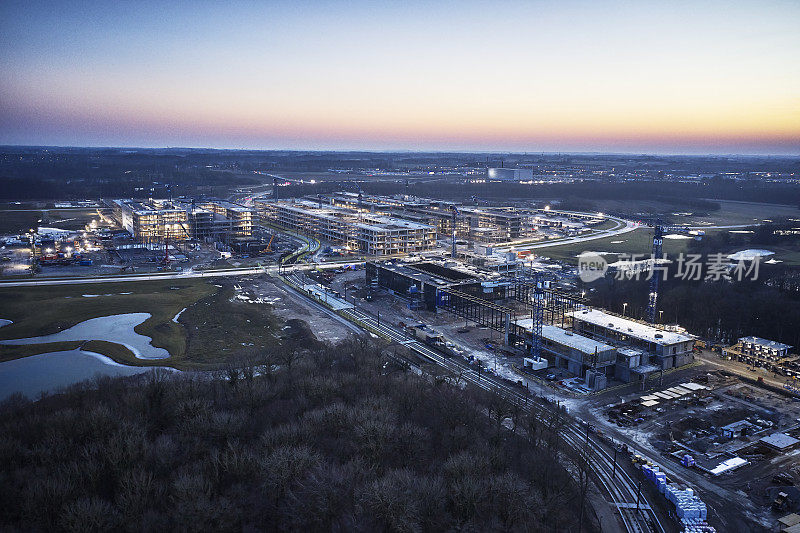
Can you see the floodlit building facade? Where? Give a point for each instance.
(152, 221)
(368, 233)
(155, 221)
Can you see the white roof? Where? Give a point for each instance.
(567, 338)
(764, 342)
(630, 328)
(693, 386)
(779, 440)
(728, 464)
(750, 254)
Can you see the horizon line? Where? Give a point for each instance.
(403, 150)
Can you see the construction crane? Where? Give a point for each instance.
(268, 249)
(455, 213)
(659, 229)
(537, 314)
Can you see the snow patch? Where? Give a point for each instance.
(114, 328)
(176, 317)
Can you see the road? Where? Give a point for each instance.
(617, 484)
(189, 274)
(623, 226)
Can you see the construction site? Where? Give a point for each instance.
(466, 282)
(730, 435)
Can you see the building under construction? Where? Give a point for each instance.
(589, 343)
(485, 298)
(158, 221)
(485, 225)
(365, 232)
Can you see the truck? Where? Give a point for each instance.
(781, 502)
(426, 335)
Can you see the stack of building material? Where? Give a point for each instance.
(690, 509)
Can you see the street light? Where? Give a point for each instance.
(624, 307)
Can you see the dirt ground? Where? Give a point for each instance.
(286, 305)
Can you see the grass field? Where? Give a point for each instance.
(638, 241)
(729, 214)
(18, 221)
(212, 329)
(15, 221)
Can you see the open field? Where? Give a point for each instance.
(213, 327)
(732, 213)
(639, 241)
(14, 221)
(729, 214)
(18, 221)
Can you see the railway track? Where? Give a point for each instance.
(636, 515)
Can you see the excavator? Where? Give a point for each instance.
(268, 249)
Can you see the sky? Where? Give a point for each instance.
(597, 76)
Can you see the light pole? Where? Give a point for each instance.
(614, 468)
(624, 307)
(660, 316)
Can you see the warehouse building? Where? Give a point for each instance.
(521, 174)
(665, 348)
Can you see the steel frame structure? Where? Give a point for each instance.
(478, 310)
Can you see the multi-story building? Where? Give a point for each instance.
(758, 352)
(494, 224)
(664, 347)
(568, 350)
(160, 220)
(152, 221)
(381, 235)
(369, 233)
(241, 218)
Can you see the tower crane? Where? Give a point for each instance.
(454, 212)
(659, 229)
(537, 316)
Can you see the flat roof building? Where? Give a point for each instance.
(572, 351)
(154, 221)
(667, 348)
(369, 233)
(524, 174)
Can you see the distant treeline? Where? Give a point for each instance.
(719, 310)
(335, 439)
(50, 173)
(582, 193)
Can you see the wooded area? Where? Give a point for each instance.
(333, 439)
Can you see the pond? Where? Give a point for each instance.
(114, 328)
(48, 372)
